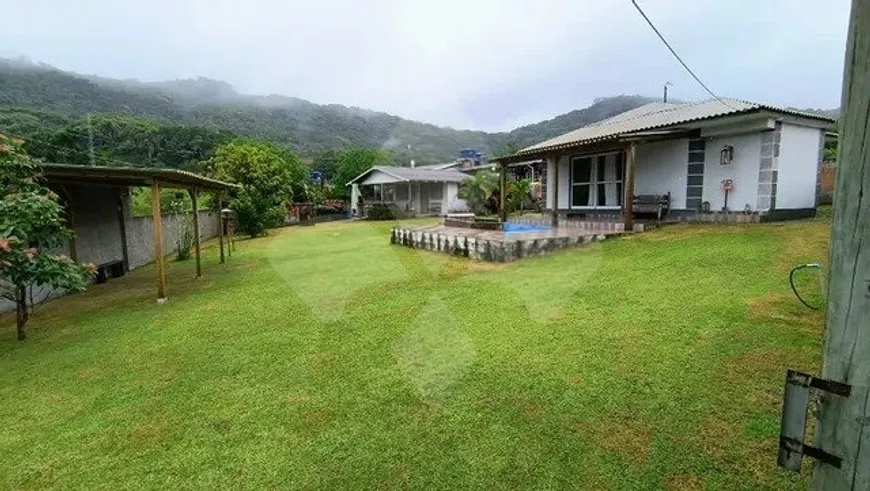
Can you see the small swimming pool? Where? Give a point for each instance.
(523, 227)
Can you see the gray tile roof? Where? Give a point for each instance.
(416, 174)
(658, 115)
(443, 165)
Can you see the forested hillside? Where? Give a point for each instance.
(179, 123)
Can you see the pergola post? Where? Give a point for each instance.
(628, 199)
(122, 224)
(194, 195)
(555, 176)
(220, 218)
(157, 225)
(502, 186)
(71, 223)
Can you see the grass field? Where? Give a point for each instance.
(325, 358)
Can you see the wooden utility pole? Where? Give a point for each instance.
(844, 423)
(157, 227)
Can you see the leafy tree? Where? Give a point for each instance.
(354, 162)
(481, 192)
(31, 226)
(269, 176)
(256, 212)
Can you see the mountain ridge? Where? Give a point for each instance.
(306, 127)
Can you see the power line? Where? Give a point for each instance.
(673, 52)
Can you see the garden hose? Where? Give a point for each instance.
(794, 289)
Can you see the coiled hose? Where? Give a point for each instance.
(794, 289)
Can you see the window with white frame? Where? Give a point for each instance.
(597, 181)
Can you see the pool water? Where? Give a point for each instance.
(524, 227)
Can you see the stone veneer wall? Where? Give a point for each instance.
(486, 249)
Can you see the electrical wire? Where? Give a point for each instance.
(674, 52)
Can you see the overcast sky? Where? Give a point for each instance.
(482, 64)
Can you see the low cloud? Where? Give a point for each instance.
(485, 65)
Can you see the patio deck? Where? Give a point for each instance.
(501, 246)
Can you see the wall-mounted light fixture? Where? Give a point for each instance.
(726, 156)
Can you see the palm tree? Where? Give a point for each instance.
(517, 192)
(481, 192)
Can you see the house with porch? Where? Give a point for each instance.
(409, 190)
(725, 157)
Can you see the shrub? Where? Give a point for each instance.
(256, 213)
(381, 211)
(184, 242)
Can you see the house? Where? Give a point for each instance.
(722, 155)
(416, 191)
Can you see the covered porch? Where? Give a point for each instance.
(598, 181)
(416, 198)
(409, 191)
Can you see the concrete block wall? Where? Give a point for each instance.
(140, 235)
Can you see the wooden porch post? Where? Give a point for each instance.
(194, 195)
(628, 200)
(410, 200)
(157, 226)
(220, 218)
(842, 427)
(555, 176)
(502, 186)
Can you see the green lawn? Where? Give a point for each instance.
(324, 357)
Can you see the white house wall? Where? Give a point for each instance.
(661, 168)
(664, 167)
(454, 202)
(798, 167)
(379, 177)
(743, 170)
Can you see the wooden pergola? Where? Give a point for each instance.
(624, 142)
(156, 179)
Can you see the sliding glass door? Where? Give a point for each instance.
(597, 181)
